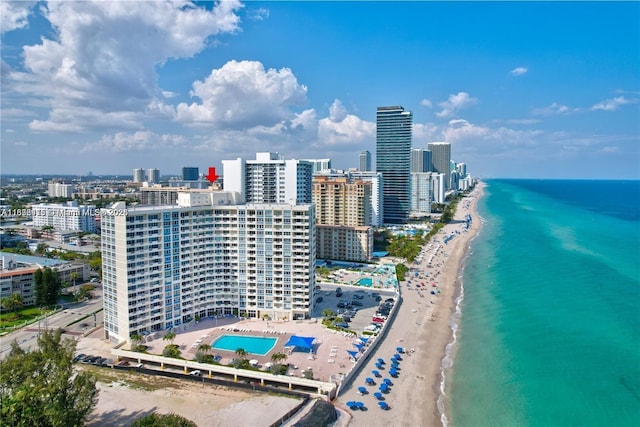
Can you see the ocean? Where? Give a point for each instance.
(549, 330)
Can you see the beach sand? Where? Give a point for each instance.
(122, 402)
(422, 324)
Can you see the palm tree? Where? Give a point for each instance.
(170, 336)
(278, 357)
(136, 339)
(204, 348)
(241, 353)
(327, 313)
(74, 276)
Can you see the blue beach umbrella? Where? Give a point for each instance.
(378, 395)
(397, 356)
(381, 360)
(387, 381)
(379, 365)
(383, 405)
(369, 381)
(399, 349)
(376, 373)
(362, 390)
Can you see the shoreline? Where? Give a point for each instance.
(422, 323)
(443, 403)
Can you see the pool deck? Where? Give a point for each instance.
(330, 347)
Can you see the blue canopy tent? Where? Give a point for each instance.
(304, 343)
(364, 339)
(359, 346)
(352, 353)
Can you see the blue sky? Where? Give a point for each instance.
(526, 90)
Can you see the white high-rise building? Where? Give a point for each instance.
(164, 265)
(69, 216)
(441, 159)
(138, 175)
(269, 179)
(153, 175)
(421, 192)
(439, 187)
(57, 189)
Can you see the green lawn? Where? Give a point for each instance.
(9, 320)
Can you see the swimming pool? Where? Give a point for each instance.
(251, 344)
(365, 281)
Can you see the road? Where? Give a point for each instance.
(27, 336)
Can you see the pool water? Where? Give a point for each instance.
(252, 345)
(365, 282)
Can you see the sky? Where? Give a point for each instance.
(520, 90)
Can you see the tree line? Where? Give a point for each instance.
(47, 287)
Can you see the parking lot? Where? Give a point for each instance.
(362, 314)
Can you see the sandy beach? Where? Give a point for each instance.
(422, 324)
(124, 400)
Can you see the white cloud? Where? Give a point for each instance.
(137, 141)
(426, 103)
(613, 104)
(259, 14)
(553, 109)
(92, 63)
(241, 95)
(518, 71)
(341, 128)
(454, 103)
(14, 15)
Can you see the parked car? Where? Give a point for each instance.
(342, 325)
(357, 303)
(319, 300)
(340, 305)
(195, 373)
(79, 357)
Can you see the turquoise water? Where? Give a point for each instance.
(550, 327)
(253, 345)
(366, 281)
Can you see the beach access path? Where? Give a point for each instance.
(422, 328)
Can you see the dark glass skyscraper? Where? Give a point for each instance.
(393, 160)
(190, 173)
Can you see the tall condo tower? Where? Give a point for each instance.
(138, 175)
(393, 160)
(269, 179)
(420, 160)
(190, 173)
(153, 175)
(365, 161)
(441, 159)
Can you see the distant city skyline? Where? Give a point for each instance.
(519, 89)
